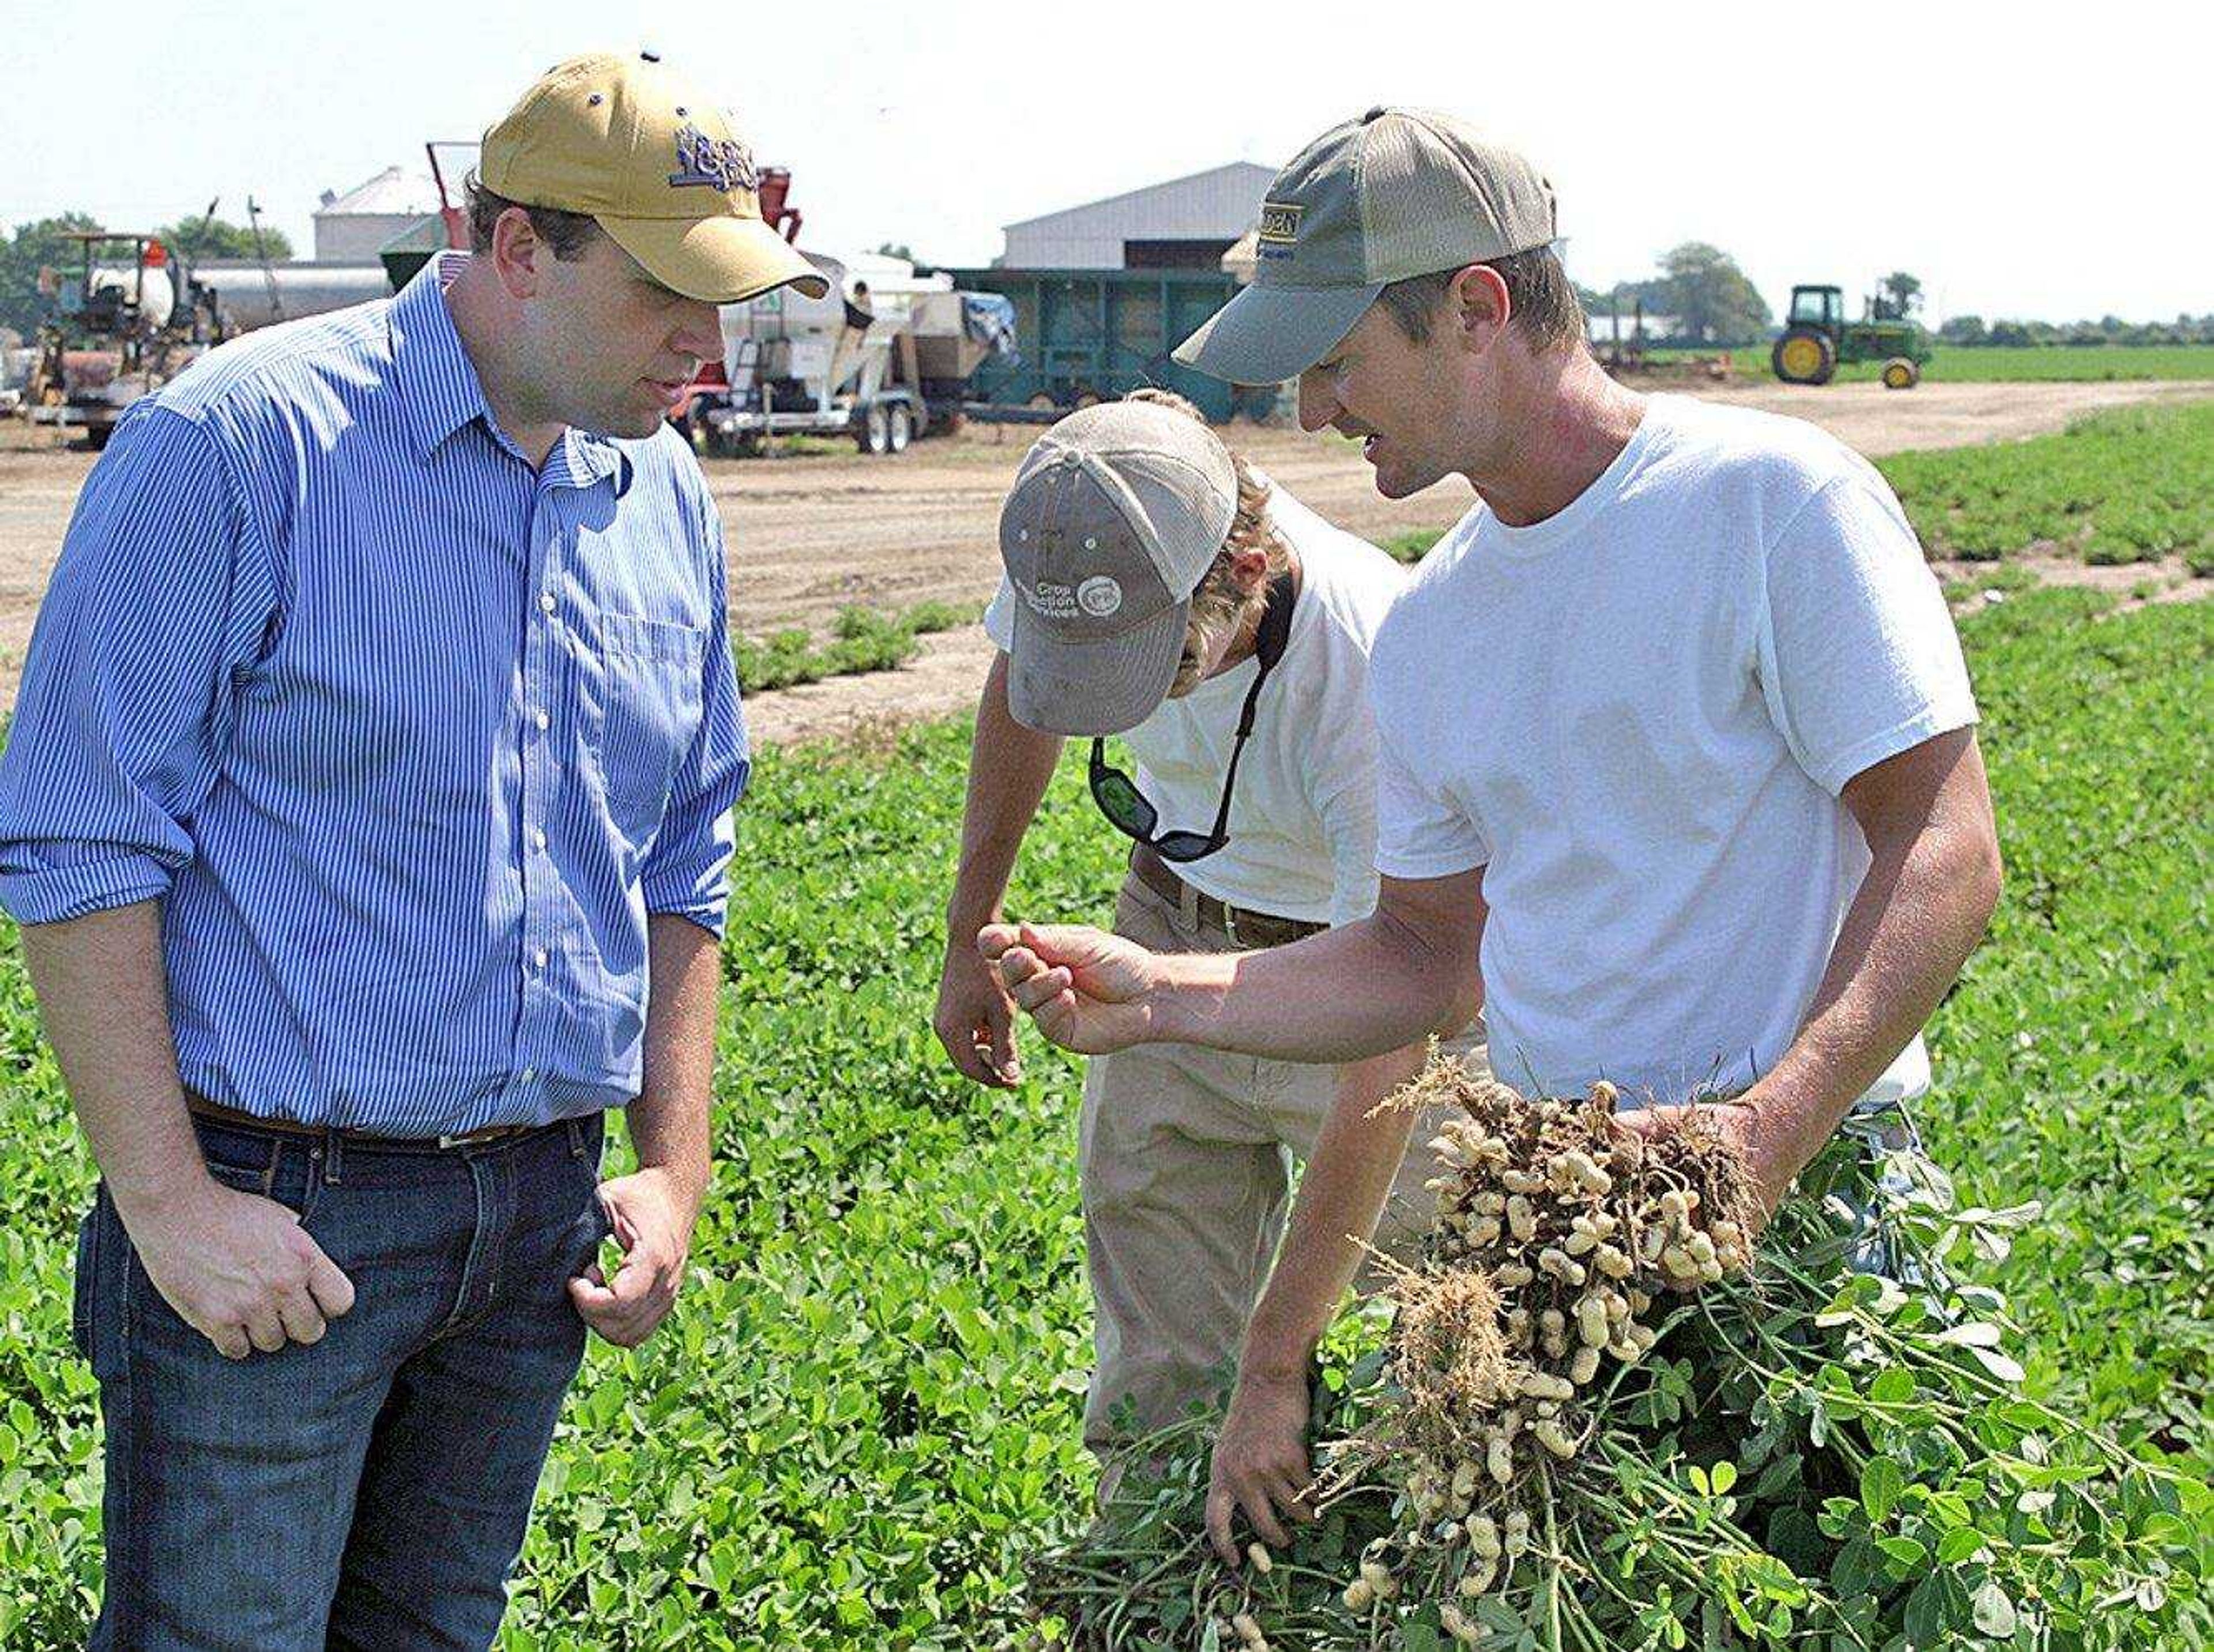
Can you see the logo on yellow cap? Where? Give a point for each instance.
(1280, 221)
(722, 166)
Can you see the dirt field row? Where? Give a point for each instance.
(810, 533)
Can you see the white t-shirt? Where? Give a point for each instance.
(1637, 715)
(1303, 819)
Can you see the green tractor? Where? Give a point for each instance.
(1817, 337)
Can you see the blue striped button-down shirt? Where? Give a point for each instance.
(407, 737)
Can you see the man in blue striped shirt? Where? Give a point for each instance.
(367, 814)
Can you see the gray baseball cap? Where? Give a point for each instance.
(1398, 193)
(1116, 513)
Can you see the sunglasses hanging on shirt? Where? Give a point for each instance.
(1127, 808)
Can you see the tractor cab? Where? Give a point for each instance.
(1820, 307)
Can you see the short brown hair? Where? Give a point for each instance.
(1541, 300)
(567, 233)
(1217, 603)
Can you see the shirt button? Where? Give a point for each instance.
(530, 1074)
(541, 720)
(538, 958)
(545, 601)
(538, 841)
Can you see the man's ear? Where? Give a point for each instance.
(1478, 306)
(1250, 568)
(516, 251)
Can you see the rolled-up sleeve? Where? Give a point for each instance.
(158, 605)
(688, 872)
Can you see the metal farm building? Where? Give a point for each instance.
(1102, 292)
(1187, 223)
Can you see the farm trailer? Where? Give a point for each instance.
(1091, 335)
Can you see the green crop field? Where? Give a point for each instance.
(2126, 485)
(2004, 363)
(863, 1415)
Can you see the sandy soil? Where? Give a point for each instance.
(811, 532)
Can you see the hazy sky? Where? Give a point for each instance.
(2022, 161)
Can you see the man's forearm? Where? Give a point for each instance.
(1009, 769)
(669, 1122)
(1355, 1159)
(103, 997)
(1348, 994)
(1927, 898)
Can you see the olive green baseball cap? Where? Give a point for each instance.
(644, 152)
(1398, 192)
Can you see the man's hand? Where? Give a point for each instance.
(975, 1018)
(1086, 990)
(1767, 1154)
(1260, 1463)
(653, 1219)
(240, 1269)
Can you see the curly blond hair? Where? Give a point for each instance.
(1218, 609)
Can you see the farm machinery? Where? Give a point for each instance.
(1817, 339)
(882, 358)
(131, 319)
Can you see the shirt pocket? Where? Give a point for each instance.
(650, 710)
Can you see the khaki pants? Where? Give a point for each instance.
(1186, 1155)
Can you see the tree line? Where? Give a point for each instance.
(1969, 332)
(1709, 302)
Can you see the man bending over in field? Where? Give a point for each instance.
(1160, 587)
(1676, 772)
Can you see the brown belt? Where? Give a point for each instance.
(201, 1107)
(1243, 928)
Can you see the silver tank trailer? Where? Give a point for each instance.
(837, 346)
(241, 286)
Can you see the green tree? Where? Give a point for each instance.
(42, 242)
(1901, 292)
(1716, 304)
(1965, 330)
(204, 235)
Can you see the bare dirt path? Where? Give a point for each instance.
(811, 532)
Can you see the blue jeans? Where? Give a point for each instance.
(371, 1491)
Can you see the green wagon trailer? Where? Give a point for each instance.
(1092, 335)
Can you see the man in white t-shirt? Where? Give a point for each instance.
(1160, 588)
(1676, 772)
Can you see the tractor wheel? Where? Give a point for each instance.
(875, 435)
(1901, 373)
(1042, 402)
(1804, 357)
(902, 430)
(1088, 397)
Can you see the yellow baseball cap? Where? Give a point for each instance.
(652, 160)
